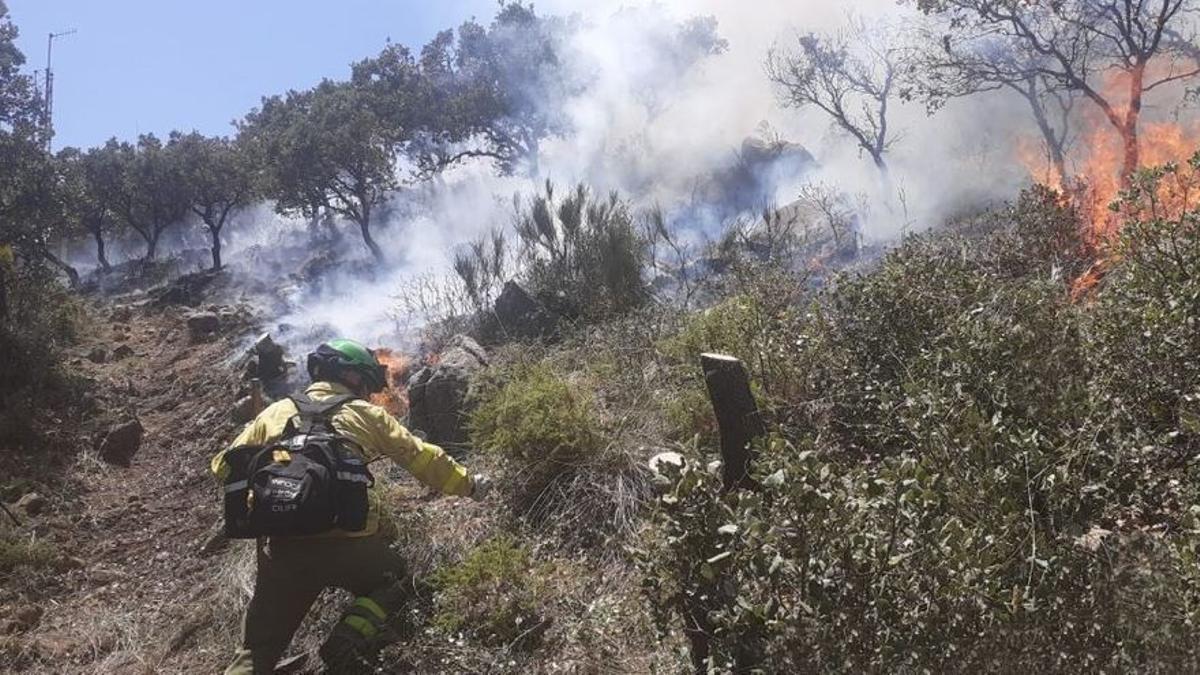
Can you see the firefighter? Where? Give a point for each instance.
(292, 571)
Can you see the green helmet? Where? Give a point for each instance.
(335, 356)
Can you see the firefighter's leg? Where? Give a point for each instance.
(283, 594)
(375, 574)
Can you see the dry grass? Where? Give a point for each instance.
(130, 640)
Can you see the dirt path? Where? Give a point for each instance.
(130, 592)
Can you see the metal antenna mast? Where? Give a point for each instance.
(50, 83)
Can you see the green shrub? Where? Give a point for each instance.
(544, 428)
(969, 471)
(1045, 236)
(1146, 323)
(727, 327)
(562, 468)
(583, 256)
(937, 337)
(688, 414)
(494, 595)
(42, 321)
(25, 553)
(537, 418)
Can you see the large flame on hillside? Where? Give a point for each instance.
(1095, 168)
(394, 397)
(1098, 164)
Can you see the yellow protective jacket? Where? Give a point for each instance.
(375, 431)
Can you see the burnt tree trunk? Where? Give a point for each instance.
(1129, 131)
(364, 225)
(335, 235)
(152, 244)
(738, 418)
(376, 252)
(216, 246)
(101, 256)
(1050, 136)
(739, 423)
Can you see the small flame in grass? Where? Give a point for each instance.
(394, 397)
(1084, 283)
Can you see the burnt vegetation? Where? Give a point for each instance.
(975, 446)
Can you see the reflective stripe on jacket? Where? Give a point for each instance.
(375, 431)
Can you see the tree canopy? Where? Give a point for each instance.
(218, 178)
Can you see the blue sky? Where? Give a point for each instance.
(139, 66)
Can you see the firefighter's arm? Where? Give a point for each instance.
(426, 462)
(256, 432)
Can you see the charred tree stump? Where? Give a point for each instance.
(738, 418)
(739, 423)
(257, 404)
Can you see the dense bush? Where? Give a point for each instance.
(727, 327)
(543, 427)
(1146, 323)
(581, 254)
(969, 470)
(40, 320)
(545, 431)
(761, 297)
(494, 595)
(567, 465)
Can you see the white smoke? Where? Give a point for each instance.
(702, 117)
(655, 133)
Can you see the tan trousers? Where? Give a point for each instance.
(292, 572)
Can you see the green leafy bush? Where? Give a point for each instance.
(688, 414)
(538, 420)
(969, 470)
(543, 427)
(1146, 323)
(494, 595)
(726, 327)
(562, 468)
(42, 319)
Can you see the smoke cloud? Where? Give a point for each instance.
(668, 134)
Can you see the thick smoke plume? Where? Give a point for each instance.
(668, 128)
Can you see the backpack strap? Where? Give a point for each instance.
(317, 416)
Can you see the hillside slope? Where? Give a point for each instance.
(125, 577)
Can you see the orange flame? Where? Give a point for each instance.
(1084, 283)
(1097, 162)
(394, 397)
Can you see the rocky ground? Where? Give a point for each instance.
(115, 564)
(127, 574)
(124, 517)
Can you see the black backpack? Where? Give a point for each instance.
(309, 481)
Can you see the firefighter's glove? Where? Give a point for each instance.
(480, 486)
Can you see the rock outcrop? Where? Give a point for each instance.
(518, 315)
(438, 394)
(122, 442)
(201, 325)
